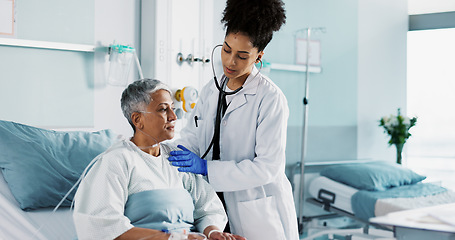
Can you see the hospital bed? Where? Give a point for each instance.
(38, 168)
(367, 190)
(435, 223)
(39, 224)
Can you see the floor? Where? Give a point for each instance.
(339, 223)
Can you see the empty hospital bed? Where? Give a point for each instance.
(367, 190)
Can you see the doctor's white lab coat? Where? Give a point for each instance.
(251, 172)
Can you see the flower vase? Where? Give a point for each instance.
(399, 147)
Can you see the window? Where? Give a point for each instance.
(431, 97)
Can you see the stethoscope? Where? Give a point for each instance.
(222, 95)
(224, 82)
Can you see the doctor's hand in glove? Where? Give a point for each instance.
(188, 161)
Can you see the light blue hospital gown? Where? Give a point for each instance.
(123, 173)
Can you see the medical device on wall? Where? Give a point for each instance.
(190, 59)
(121, 58)
(185, 101)
(188, 97)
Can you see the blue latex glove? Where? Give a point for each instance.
(188, 161)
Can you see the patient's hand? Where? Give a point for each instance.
(225, 236)
(196, 236)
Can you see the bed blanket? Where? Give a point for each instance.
(364, 202)
(388, 205)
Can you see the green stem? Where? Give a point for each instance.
(399, 147)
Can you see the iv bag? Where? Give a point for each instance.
(121, 58)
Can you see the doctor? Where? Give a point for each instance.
(237, 136)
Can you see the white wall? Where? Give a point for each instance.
(382, 40)
(119, 21)
(218, 28)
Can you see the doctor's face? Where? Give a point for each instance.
(238, 56)
(159, 121)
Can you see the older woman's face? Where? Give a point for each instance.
(160, 121)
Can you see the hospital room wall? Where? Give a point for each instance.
(363, 72)
(78, 96)
(382, 73)
(114, 21)
(363, 77)
(119, 21)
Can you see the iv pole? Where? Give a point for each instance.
(301, 199)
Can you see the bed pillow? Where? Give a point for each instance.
(40, 165)
(375, 176)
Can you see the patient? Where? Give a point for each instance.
(132, 192)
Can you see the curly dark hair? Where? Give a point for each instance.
(258, 19)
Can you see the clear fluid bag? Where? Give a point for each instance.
(121, 57)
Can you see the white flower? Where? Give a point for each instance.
(407, 122)
(385, 119)
(394, 122)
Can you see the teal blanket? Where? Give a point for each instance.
(363, 202)
(163, 209)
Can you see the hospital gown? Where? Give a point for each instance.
(125, 170)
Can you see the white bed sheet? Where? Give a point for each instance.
(343, 193)
(389, 205)
(38, 224)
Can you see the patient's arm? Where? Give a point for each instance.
(143, 233)
(151, 234)
(216, 234)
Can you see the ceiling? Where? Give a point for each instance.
(430, 6)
